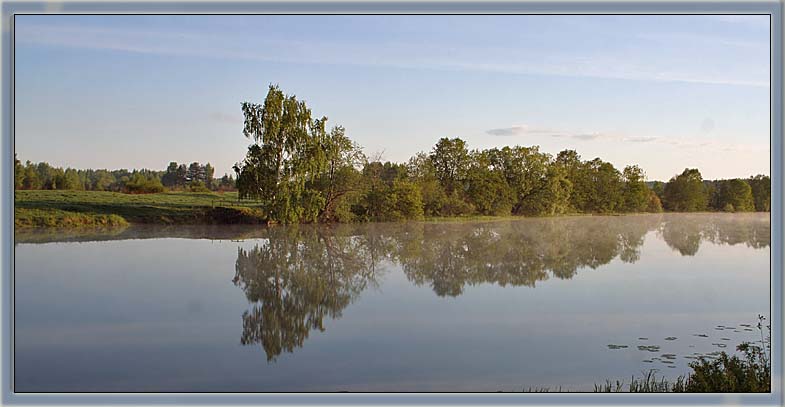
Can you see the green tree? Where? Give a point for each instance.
(181, 175)
(553, 197)
(421, 170)
(103, 180)
(56, 178)
(208, 175)
(403, 201)
(761, 192)
(31, 179)
(70, 180)
(450, 159)
(195, 172)
(686, 192)
(636, 194)
(735, 195)
(169, 179)
(19, 173)
(340, 181)
(575, 172)
(537, 188)
(284, 157)
(605, 194)
(487, 189)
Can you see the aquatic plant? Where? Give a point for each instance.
(715, 372)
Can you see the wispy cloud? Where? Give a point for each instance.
(433, 56)
(527, 131)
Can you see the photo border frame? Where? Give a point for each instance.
(11, 8)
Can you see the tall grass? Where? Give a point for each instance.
(649, 383)
(750, 373)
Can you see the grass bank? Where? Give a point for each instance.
(94, 208)
(73, 209)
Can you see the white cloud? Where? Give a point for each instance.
(523, 130)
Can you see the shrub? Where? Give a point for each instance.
(140, 184)
(198, 186)
(726, 374)
(654, 205)
(732, 374)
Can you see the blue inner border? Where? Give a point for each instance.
(9, 8)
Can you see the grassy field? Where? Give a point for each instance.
(93, 208)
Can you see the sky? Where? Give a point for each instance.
(662, 92)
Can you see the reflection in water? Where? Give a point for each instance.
(449, 257)
(684, 233)
(298, 276)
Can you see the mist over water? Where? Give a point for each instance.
(471, 306)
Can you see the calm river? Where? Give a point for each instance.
(475, 306)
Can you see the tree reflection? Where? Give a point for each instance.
(684, 233)
(297, 276)
(295, 279)
(449, 257)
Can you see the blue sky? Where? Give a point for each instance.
(663, 92)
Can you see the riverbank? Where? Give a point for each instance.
(76, 209)
(63, 209)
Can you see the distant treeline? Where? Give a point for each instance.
(194, 177)
(688, 192)
(300, 172)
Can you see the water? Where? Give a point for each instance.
(477, 306)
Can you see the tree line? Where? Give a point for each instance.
(194, 177)
(689, 192)
(301, 172)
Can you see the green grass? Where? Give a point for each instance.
(64, 219)
(94, 208)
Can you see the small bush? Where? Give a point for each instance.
(198, 186)
(141, 184)
(750, 374)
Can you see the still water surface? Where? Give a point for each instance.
(479, 306)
